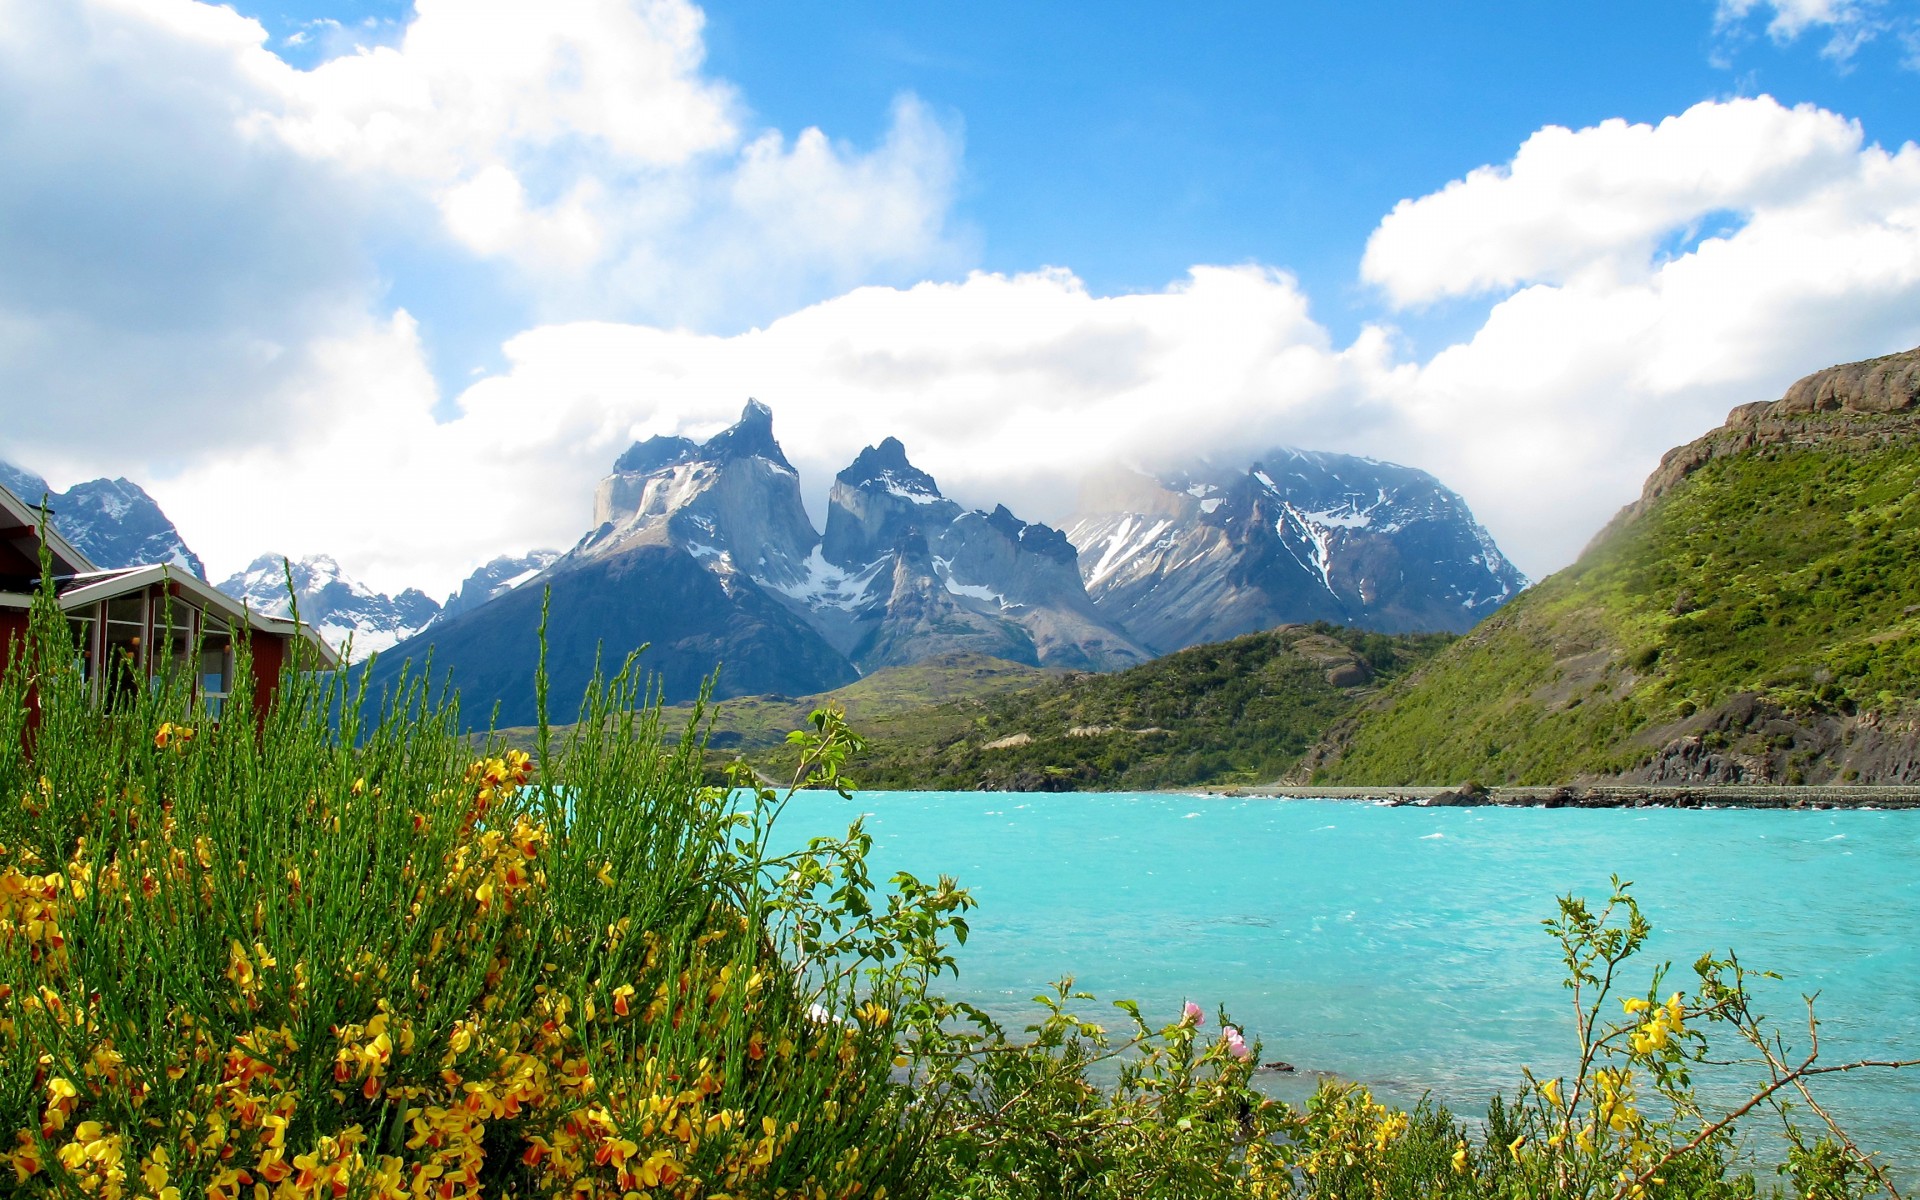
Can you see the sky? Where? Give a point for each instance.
(396, 282)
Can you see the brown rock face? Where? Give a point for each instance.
(1879, 385)
(1866, 401)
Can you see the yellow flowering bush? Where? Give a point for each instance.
(318, 956)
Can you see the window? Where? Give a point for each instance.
(216, 664)
(82, 631)
(123, 644)
(172, 657)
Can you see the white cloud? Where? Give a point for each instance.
(1614, 350)
(1589, 365)
(580, 141)
(1597, 202)
(187, 221)
(1848, 24)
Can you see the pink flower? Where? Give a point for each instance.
(1192, 1015)
(1236, 1043)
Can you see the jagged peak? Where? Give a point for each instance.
(1032, 536)
(656, 453)
(749, 437)
(30, 488)
(886, 468)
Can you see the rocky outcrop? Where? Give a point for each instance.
(1878, 385)
(1747, 740)
(1868, 402)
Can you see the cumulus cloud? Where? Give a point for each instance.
(1597, 202)
(1612, 346)
(1591, 362)
(186, 219)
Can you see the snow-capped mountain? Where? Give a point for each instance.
(1212, 553)
(733, 502)
(703, 552)
(337, 606)
(111, 521)
(495, 580)
(904, 573)
(684, 536)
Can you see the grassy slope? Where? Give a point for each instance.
(757, 726)
(1235, 711)
(1789, 571)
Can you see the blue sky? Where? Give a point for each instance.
(1128, 141)
(362, 249)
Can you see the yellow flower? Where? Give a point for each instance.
(1551, 1090)
(1635, 1004)
(1460, 1159)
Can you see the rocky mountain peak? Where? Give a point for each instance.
(29, 487)
(1033, 537)
(111, 521)
(885, 467)
(733, 502)
(656, 453)
(338, 607)
(1213, 552)
(749, 437)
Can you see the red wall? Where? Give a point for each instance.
(269, 656)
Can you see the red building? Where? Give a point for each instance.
(143, 622)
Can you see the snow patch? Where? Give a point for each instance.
(1132, 536)
(824, 585)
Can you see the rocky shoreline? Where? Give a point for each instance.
(1851, 796)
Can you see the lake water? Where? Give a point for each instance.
(1402, 947)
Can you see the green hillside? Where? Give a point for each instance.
(1240, 711)
(1753, 619)
(756, 727)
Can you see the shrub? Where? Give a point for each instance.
(327, 957)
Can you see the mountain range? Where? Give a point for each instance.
(1210, 554)
(704, 553)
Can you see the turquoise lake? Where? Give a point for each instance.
(1402, 947)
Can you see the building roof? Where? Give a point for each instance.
(21, 525)
(80, 583)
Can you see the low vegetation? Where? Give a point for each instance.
(1766, 607)
(334, 953)
(1240, 711)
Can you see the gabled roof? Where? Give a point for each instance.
(20, 524)
(92, 587)
(81, 583)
